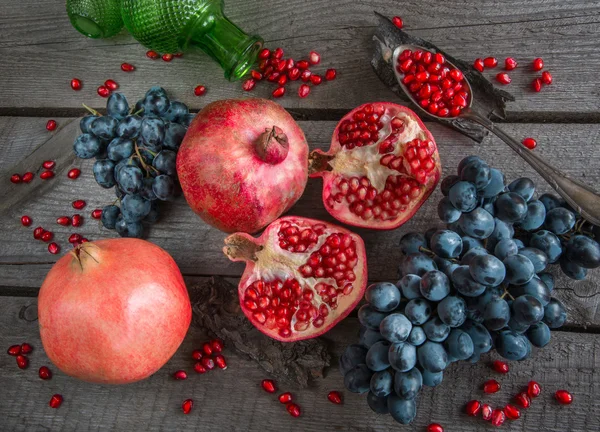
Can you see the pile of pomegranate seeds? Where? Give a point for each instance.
(51, 125)
(107, 88)
(511, 64)
(439, 88)
(209, 356)
(273, 67)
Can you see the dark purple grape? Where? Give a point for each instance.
(465, 161)
(571, 269)
(495, 186)
(109, 216)
(395, 327)
(417, 336)
(536, 214)
(537, 258)
(352, 356)
(446, 244)
(527, 310)
(410, 285)
(377, 404)
(129, 229)
(117, 106)
(104, 127)
(559, 220)
(487, 270)
(407, 385)
(358, 379)
(583, 251)
(86, 146)
(120, 148)
(432, 357)
(465, 284)
(403, 411)
(555, 314)
(129, 127)
(472, 253)
(496, 314)
(104, 173)
(134, 208)
(412, 242)
(417, 264)
(447, 212)
(476, 172)
(86, 122)
(436, 330)
(519, 269)
(512, 345)
(383, 296)
(402, 356)
(463, 196)
(447, 183)
(368, 337)
(435, 285)
(551, 201)
(548, 243)
(369, 317)
(176, 111)
(535, 287)
(377, 356)
(523, 186)
(431, 379)
(382, 383)
(539, 335)
(418, 311)
(505, 248)
(510, 207)
(459, 345)
(452, 311)
(482, 340)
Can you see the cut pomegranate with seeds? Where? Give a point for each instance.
(15, 178)
(435, 427)
(314, 58)
(278, 92)
(27, 177)
(546, 77)
(285, 397)
(103, 91)
(512, 412)
(503, 78)
(51, 125)
(501, 366)
(22, 361)
(75, 238)
(197, 354)
(167, 57)
(478, 64)
(55, 401)
(96, 213)
(47, 236)
(200, 90)
(473, 407)
(486, 412)
(38, 233)
(45, 373)
(563, 397)
(303, 90)
(533, 389)
(335, 397)
(397, 21)
(216, 345)
(498, 417)
(76, 84)
(78, 204)
(302, 276)
(249, 84)
(14, 350)
(63, 220)
(268, 385)
(490, 62)
(316, 79)
(77, 220)
(53, 248)
(187, 406)
(207, 349)
(538, 64)
(330, 74)
(523, 400)
(530, 143)
(198, 368)
(510, 64)
(208, 363)
(46, 175)
(220, 361)
(537, 85)
(127, 67)
(180, 375)
(491, 386)
(293, 409)
(25, 220)
(381, 167)
(26, 348)
(110, 84)
(74, 173)
(49, 164)
(152, 54)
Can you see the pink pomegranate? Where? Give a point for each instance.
(302, 276)
(381, 167)
(242, 164)
(113, 311)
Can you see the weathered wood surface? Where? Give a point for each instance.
(41, 52)
(233, 399)
(197, 247)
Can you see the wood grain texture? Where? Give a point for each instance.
(41, 52)
(233, 399)
(196, 247)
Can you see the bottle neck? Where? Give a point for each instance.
(227, 44)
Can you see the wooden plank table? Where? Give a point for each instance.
(40, 53)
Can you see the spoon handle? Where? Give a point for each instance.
(580, 196)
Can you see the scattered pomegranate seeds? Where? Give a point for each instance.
(537, 85)
(15, 178)
(199, 90)
(512, 412)
(22, 361)
(490, 62)
(180, 375)
(563, 397)
(538, 64)
(523, 400)
(397, 21)
(78, 204)
(220, 361)
(208, 363)
(53, 248)
(198, 368)
(533, 389)
(248, 84)
(510, 63)
(491, 386)
(96, 213)
(197, 354)
(473, 407)
(27, 177)
(38, 232)
(77, 220)
(293, 409)
(49, 164)
(14, 350)
(530, 143)
(500, 366)
(152, 54)
(47, 236)
(74, 173)
(278, 92)
(503, 78)
(216, 345)
(127, 67)
(110, 84)
(45, 175)
(63, 220)
(45, 373)
(435, 427)
(187, 406)
(167, 57)
(74, 238)
(478, 64)
(103, 91)
(285, 397)
(330, 74)
(335, 397)
(56, 401)
(268, 385)
(486, 412)
(546, 78)
(25, 220)
(51, 125)
(498, 417)
(76, 84)
(26, 348)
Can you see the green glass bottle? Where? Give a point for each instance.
(171, 26)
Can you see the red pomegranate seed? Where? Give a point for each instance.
(14, 350)
(26, 348)
(199, 90)
(248, 84)
(278, 53)
(167, 57)
(180, 375)
(512, 412)
(78, 204)
(546, 78)
(500, 366)
(486, 412)
(127, 67)
(207, 349)
(76, 84)
(216, 345)
(498, 417)
(197, 354)
(282, 80)
(27, 177)
(490, 62)
(220, 361)
(435, 427)
(397, 21)
(25, 220)
(187, 406)
(45, 373)
(152, 54)
(478, 64)
(56, 401)
(473, 407)
(523, 400)
(45, 175)
(268, 385)
(533, 389)
(335, 397)
(285, 397)
(563, 397)
(278, 92)
(63, 220)
(198, 368)
(208, 363)
(51, 125)
(75, 238)
(503, 78)
(530, 143)
(305, 75)
(84, 240)
(111, 84)
(256, 75)
(77, 220)
(330, 74)
(538, 64)
(96, 213)
(491, 386)
(314, 58)
(15, 178)
(264, 54)
(47, 236)
(294, 74)
(537, 85)
(38, 233)
(74, 173)
(53, 248)
(316, 79)
(303, 90)
(302, 64)
(103, 91)
(510, 63)
(293, 409)
(22, 361)
(49, 164)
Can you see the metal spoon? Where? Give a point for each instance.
(581, 197)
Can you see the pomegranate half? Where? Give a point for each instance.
(113, 311)
(302, 276)
(242, 164)
(382, 165)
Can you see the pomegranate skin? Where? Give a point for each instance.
(226, 178)
(113, 311)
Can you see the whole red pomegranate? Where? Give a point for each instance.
(113, 311)
(381, 167)
(242, 164)
(302, 276)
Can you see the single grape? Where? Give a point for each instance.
(463, 196)
(435, 285)
(163, 187)
(369, 317)
(555, 314)
(478, 223)
(152, 131)
(432, 379)
(476, 172)
(436, 330)
(377, 356)
(583, 251)
(523, 186)
(482, 340)
(86, 146)
(418, 311)
(467, 160)
(352, 356)
(551, 201)
(109, 216)
(512, 345)
(446, 244)
(146, 191)
(465, 284)
(417, 336)
(417, 264)
(165, 162)
(539, 335)
(407, 385)
(395, 327)
(383, 296)
(134, 208)
(527, 310)
(156, 90)
(410, 285)
(176, 111)
(495, 186)
(117, 106)
(382, 383)
(130, 179)
(156, 104)
(548, 243)
(368, 337)
(536, 214)
(104, 173)
(432, 357)
(403, 411)
(519, 269)
(358, 379)
(377, 404)
(548, 280)
(459, 345)
(571, 269)
(129, 229)
(174, 134)
(535, 287)
(472, 253)
(496, 314)
(104, 127)
(537, 258)
(510, 207)
(120, 148)
(447, 183)
(402, 356)
(487, 270)
(86, 122)
(412, 242)
(559, 220)
(505, 248)
(129, 127)
(452, 311)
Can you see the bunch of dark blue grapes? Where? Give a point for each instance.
(466, 289)
(136, 152)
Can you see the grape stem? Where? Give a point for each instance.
(92, 110)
